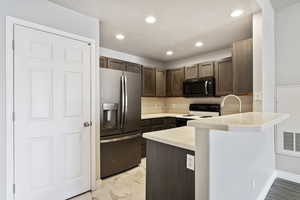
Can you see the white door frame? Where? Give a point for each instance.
(10, 22)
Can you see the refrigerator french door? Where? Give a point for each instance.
(120, 121)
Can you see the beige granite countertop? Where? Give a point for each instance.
(252, 121)
(182, 137)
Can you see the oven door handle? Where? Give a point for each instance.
(120, 139)
(206, 89)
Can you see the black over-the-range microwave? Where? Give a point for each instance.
(199, 87)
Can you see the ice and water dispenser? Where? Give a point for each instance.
(110, 116)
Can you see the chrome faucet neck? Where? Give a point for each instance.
(232, 95)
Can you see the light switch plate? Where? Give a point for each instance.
(190, 162)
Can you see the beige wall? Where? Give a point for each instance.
(181, 105)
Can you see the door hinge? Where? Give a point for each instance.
(13, 45)
(14, 188)
(13, 116)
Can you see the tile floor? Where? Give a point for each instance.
(131, 186)
(126, 186)
(284, 190)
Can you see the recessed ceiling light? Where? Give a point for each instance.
(198, 44)
(237, 13)
(169, 53)
(150, 20)
(120, 37)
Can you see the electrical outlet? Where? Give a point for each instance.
(190, 162)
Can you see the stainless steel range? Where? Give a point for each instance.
(198, 111)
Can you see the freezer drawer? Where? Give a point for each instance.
(119, 154)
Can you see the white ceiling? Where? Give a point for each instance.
(179, 25)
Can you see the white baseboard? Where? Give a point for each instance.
(263, 194)
(288, 176)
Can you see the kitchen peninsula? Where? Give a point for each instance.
(234, 158)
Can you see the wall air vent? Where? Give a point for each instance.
(288, 141)
(288, 132)
(291, 142)
(297, 142)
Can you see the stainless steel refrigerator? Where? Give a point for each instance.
(120, 97)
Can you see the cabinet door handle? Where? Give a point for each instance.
(206, 91)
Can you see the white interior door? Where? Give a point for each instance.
(51, 103)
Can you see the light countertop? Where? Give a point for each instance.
(252, 121)
(182, 137)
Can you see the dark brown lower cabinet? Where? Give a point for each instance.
(167, 177)
(144, 142)
(156, 124)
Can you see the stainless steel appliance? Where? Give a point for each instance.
(199, 87)
(198, 111)
(120, 96)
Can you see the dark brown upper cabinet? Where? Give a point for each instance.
(161, 82)
(191, 72)
(116, 64)
(224, 77)
(175, 78)
(133, 67)
(169, 83)
(149, 82)
(103, 62)
(206, 69)
(243, 67)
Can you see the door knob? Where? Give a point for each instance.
(87, 124)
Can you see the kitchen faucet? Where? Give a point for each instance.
(231, 95)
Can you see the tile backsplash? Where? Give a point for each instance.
(181, 105)
(152, 105)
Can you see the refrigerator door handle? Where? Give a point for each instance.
(122, 102)
(125, 100)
